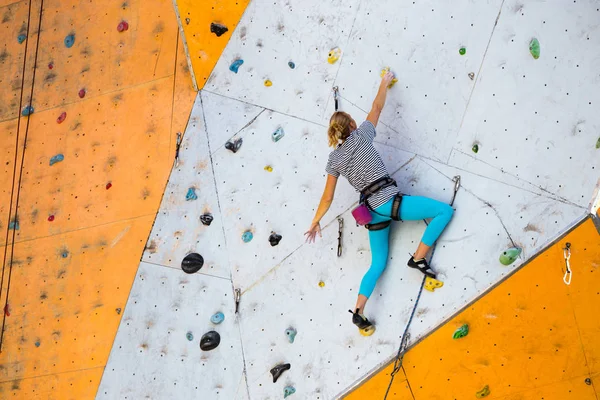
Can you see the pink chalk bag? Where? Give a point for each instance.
(362, 213)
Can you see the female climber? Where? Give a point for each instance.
(355, 158)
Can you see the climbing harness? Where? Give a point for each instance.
(406, 335)
(568, 272)
(362, 214)
(336, 96)
(339, 249)
(177, 147)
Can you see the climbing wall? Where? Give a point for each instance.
(110, 90)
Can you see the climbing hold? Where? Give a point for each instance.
(277, 370)
(291, 334)
(461, 332)
(57, 158)
(7, 310)
(321, 284)
(278, 134)
(14, 224)
(70, 41)
(123, 26)
(431, 284)
(288, 391)
(268, 83)
(27, 111)
(210, 340)
(509, 256)
(51, 218)
(291, 64)
(61, 118)
(65, 254)
(81, 93)
(37, 343)
(385, 71)
(598, 143)
(268, 168)
(534, 48)
(192, 263)
(236, 65)
(189, 336)
(217, 318)
(191, 194)
(234, 146)
(483, 392)
(462, 51)
(50, 65)
(187, 21)
(334, 55)
(21, 38)
(218, 29)
(206, 219)
(108, 185)
(475, 148)
(274, 239)
(247, 236)
(588, 381)
(471, 75)
(118, 311)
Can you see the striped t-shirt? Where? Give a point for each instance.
(357, 160)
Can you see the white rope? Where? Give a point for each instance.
(568, 272)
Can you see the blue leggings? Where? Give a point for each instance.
(412, 208)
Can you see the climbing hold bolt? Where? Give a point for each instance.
(235, 66)
(268, 168)
(192, 263)
(291, 334)
(461, 332)
(277, 370)
(483, 392)
(385, 71)
(61, 118)
(210, 340)
(70, 40)
(598, 143)
(217, 318)
(471, 75)
(462, 51)
(588, 381)
(334, 55)
(268, 83)
(28, 110)
(218, 29)
(108, 185)
(191, 194)
(534, 48)
(21, 38)
(288, 391)
(206, 219)
(291, 64)
(509, 256)
(234, 146)
(57, 158)
(14, 224)
(247, 236)
(278, 134)
(274, 239)
(475, 148)
(123, 26)
(321, 284)
(51, 218)
(81, 93)
(189, 336)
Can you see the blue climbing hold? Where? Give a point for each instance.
(70, 40)
(247, 236)
(278, 134)
(14, 224)
(236, 65)
(291, 65)
(291, 334)
(21, 38)
(65, 254)
(56, 158)
(191, 194)
(27, 111)
(288, 391)
(189, 336)
(37, 344)
(217, 318)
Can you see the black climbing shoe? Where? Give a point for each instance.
(360, 320)
(422, 266)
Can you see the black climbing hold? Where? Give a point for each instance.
(277, 370)
(234, 146)
(218, 29)
(274, 239)
(588, 381)
(206, 219)
(210, 340)
(192, 263)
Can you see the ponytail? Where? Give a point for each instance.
(339, 128)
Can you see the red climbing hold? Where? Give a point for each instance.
(123, 26)
(7, 310)
(50, 66)
(51, 218)
(82, 93)
(108, 185)
(61, 118)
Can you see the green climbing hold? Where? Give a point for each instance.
(21, 38)
(247, 236)
(461, 332)
(534, 48)
(598, 143)
(483, 392)
(475, 148)
(14, 224)
(27, 111)
(288, 391)
(509, 256)
(462, 51)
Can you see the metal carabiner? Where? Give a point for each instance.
(568, 272)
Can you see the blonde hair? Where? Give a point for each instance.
(339, 128)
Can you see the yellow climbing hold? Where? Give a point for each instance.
(321, 284)
(385, 71)
(483, 392)
(334, 55)
(367, 331)
(268, 168)
(268, 83)
(431, 284)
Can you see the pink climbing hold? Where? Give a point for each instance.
(82, 93)
(108, 185)
(51, 218)
(61, 118)
(123, 26)
(50, 66)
